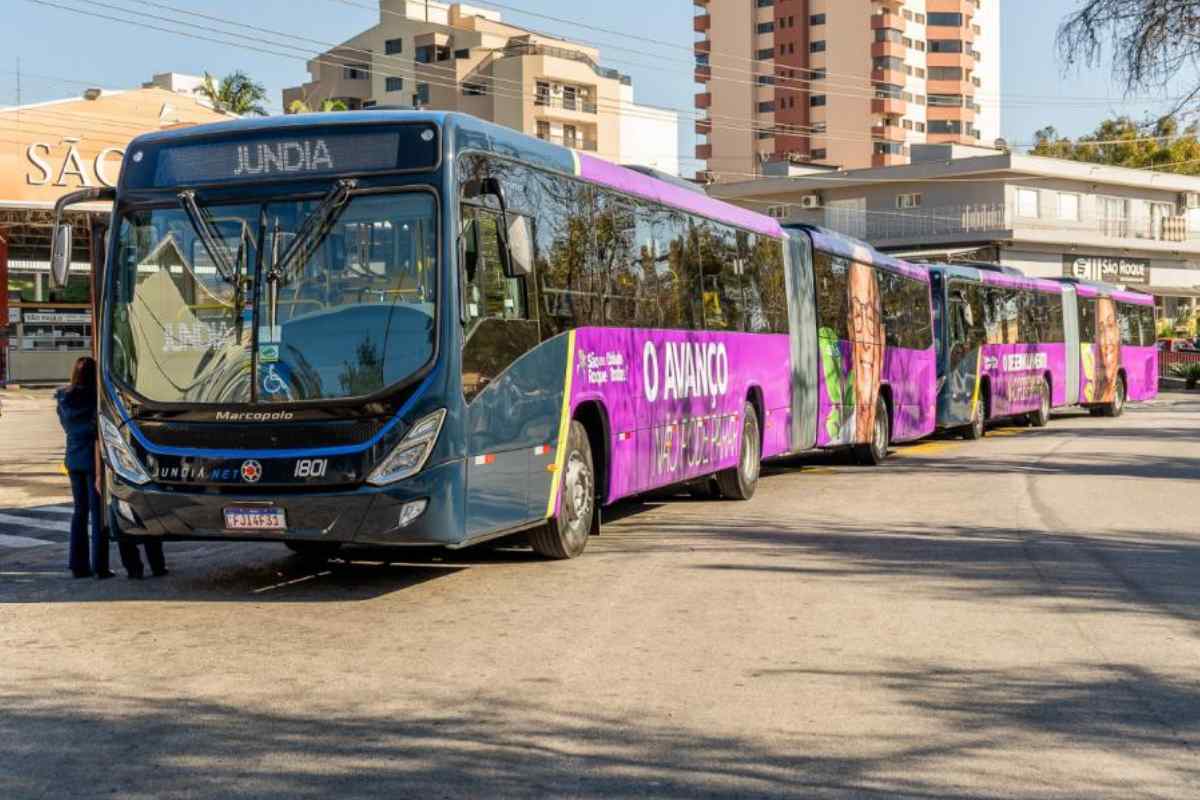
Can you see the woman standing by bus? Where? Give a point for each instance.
(77, 414)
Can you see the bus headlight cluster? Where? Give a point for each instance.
(409, 457)
(120, 456)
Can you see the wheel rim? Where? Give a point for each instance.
(880, 443)
(1045, 408)
(749, 463)
(578, 492)
(1120, 394)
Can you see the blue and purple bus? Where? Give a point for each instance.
(409, 328)
(1013, 346)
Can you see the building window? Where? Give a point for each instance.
(945, 73)
(765, 80)
(945, 19)
(543, 129)
(424, 55)
(767, 53)
(945, 46)
(906, 124)
(570, 136)
(1027, 203)
(819, 154)
(393, 47)
(920, 46)
(920, 126)
(474, 89)
(394, 84)
(1068, 206)
(946, 126)
(766, 27)
(816, 74)
(766, 108)
(817, 46)
(920, 19)
(815, 100)
(908, 200)
(777, 212)
(542, 94)
(816, 19)
(421, 98)
(356, 72)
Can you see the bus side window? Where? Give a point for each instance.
(490, 292)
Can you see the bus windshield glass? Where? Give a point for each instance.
(351, 316)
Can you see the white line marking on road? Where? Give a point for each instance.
(30, 522)
(21, 541)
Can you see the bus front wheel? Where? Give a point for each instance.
(977, 428)
(1041, 417)
(1117, 407)
(740, 482)
(565, 534)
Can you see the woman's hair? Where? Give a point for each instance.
(83, 376)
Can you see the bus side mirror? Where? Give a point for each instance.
(520, 247)
(60, 255)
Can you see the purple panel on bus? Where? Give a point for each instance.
(1015, 373)
(910, 375)
(674, 399)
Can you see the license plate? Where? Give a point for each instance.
(255, 519)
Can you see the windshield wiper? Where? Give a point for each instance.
(310, 236)
(209, 235)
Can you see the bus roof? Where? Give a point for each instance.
(847, 247)
(993, 278)
(463, 132)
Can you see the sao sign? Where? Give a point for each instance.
(63, 165)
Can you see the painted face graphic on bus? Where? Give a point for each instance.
(1108, 346)
(866, 342)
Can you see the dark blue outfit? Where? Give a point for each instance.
(77, 414)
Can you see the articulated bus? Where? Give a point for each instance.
(409, 328)
(1012, 346)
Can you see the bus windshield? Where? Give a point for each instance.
(352, 315)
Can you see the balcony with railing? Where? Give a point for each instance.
(921, 226)
(564, 101)
(522, 47)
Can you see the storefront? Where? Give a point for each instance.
(48, 150)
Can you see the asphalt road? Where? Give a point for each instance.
(1016, 617)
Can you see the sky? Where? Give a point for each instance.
(60, 51)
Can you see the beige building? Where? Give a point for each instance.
(843, 84)
(1045, 216)
(47, 150)
(454, 57)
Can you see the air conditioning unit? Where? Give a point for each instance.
(1188, 200)
(810, 201)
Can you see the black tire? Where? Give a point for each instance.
(874, 454)
(740, 482)
(1041, 417)
(704, 489)
(1117, 407)
(977, 428)
(317, 552)
(566, 534)
(1096, 411)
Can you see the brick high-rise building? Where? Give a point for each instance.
(843, 83)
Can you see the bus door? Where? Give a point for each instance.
(802, 320)
(499, 330)
(1070, 312)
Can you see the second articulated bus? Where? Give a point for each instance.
(1014, 346)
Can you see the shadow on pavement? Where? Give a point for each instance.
(488, 744)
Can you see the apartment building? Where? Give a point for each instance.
(456, 57)
(842, 83)
(1045, 216)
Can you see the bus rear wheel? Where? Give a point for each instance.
(740, 482)
(1117, 407)
(565, 534)
(1041, 417)
(874, 454)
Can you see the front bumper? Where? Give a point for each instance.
(365, 515)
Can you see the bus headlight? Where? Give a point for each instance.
(409, 457)
(120, 457)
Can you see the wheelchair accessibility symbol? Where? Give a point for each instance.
(273, 382)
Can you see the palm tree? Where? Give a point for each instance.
(236, 94)
(302, 107)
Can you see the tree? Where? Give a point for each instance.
(1153, 42)
(1160, 144)
(327, 106)
(236, 94)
